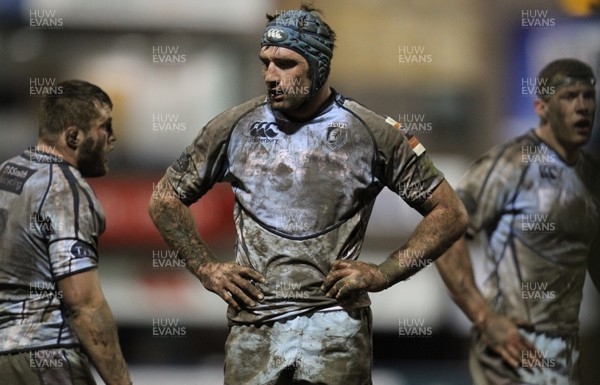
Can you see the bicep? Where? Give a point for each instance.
(444, 219)
(166, 201)
(443, 198)
(81, 290)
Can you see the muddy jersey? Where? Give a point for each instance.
(50, 221)
(304, 192)
(540, 217)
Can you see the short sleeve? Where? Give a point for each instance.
(203, 163)
(488, 186)
(406, 168)
(71, 220)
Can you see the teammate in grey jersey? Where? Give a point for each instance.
(305, 165)
(52, 309)
(537, 198)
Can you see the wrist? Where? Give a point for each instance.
(202, 269)
(390, 270)
(198, 265)
(480, 320)
(385, 276)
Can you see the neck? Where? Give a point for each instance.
(313, 106)
(57, 149)
(570, 154)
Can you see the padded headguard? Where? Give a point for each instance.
(305, 33)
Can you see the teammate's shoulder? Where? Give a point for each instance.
(513, 148)
(234, 113)
(41, 176)
(507, 156)
(15, 174)
(19, 159)
(20, 166)
(57, 173)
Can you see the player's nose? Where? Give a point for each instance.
(271, 74)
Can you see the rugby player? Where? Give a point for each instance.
(536, 198)
(305, 164)
(53, 314)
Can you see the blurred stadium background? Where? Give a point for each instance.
(457, 71)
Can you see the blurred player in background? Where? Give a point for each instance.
(537, 200)
(306, 165)
(53, 315)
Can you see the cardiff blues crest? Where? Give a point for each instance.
(337, 135)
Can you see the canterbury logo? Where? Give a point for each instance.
(549, 171)
(263, 129)
(276, 34)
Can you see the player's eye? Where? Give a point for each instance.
(286, 64)
(108, 127)
(265, 63)
(570, 95)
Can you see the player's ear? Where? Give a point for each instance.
(541, 107)
(71, 135)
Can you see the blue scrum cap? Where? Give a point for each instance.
(305, 33)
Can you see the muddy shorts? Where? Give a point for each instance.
(61, 366)
(325, 348)
(557, 362)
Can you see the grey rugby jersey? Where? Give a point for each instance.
(304, 192)
(540, 217)
(50, 221)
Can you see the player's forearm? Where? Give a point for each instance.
(97, 332)
(457, 273)
(444, 222)
(176, 226)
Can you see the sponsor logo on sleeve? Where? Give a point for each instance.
(81, 249)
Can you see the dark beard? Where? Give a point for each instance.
(90, 162)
